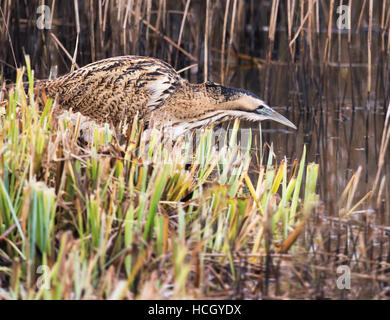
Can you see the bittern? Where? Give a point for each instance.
(117, 88)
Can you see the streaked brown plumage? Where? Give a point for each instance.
(113, 89)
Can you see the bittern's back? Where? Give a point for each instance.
(112, 89)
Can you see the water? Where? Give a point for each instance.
(342, 133)
(339, 139)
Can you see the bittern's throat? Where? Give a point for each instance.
(114, 89)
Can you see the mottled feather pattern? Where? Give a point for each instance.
(115, 89)
(112, 89)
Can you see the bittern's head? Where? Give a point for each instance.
(241, 104)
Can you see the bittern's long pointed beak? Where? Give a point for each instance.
(269, 113)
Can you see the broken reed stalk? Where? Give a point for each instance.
(59, 44)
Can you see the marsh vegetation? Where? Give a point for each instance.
(130, 214)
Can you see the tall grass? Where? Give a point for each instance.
(99, 219)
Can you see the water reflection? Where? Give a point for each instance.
(340, 137)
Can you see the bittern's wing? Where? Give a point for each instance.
(118, 87)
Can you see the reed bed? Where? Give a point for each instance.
(92, 213)
(100, 219)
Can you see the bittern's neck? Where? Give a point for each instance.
(193, 99)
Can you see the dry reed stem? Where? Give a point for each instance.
(383, 148)
(361, 15)
(92, 30)
(339, 47)
(76, 10)
(148, 15)
(380, 192)
(309, 12)
(318, 17)
(77, 17)
(274, 15)
(369, 41)
(9, 37)
(206, 42)
(349, 30)
(52, 9)
(125, 20)
(137, 18)
(290, 18)
(157, 25)
(222, 72)
(105, 16)
(58, 43)
(309, 31)
(188, 67)
(183, 21)
(231, 36)
(169, 40)
(291, 238)
(388, 31)
(100, 14)
(383, 25)
(328, 43)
